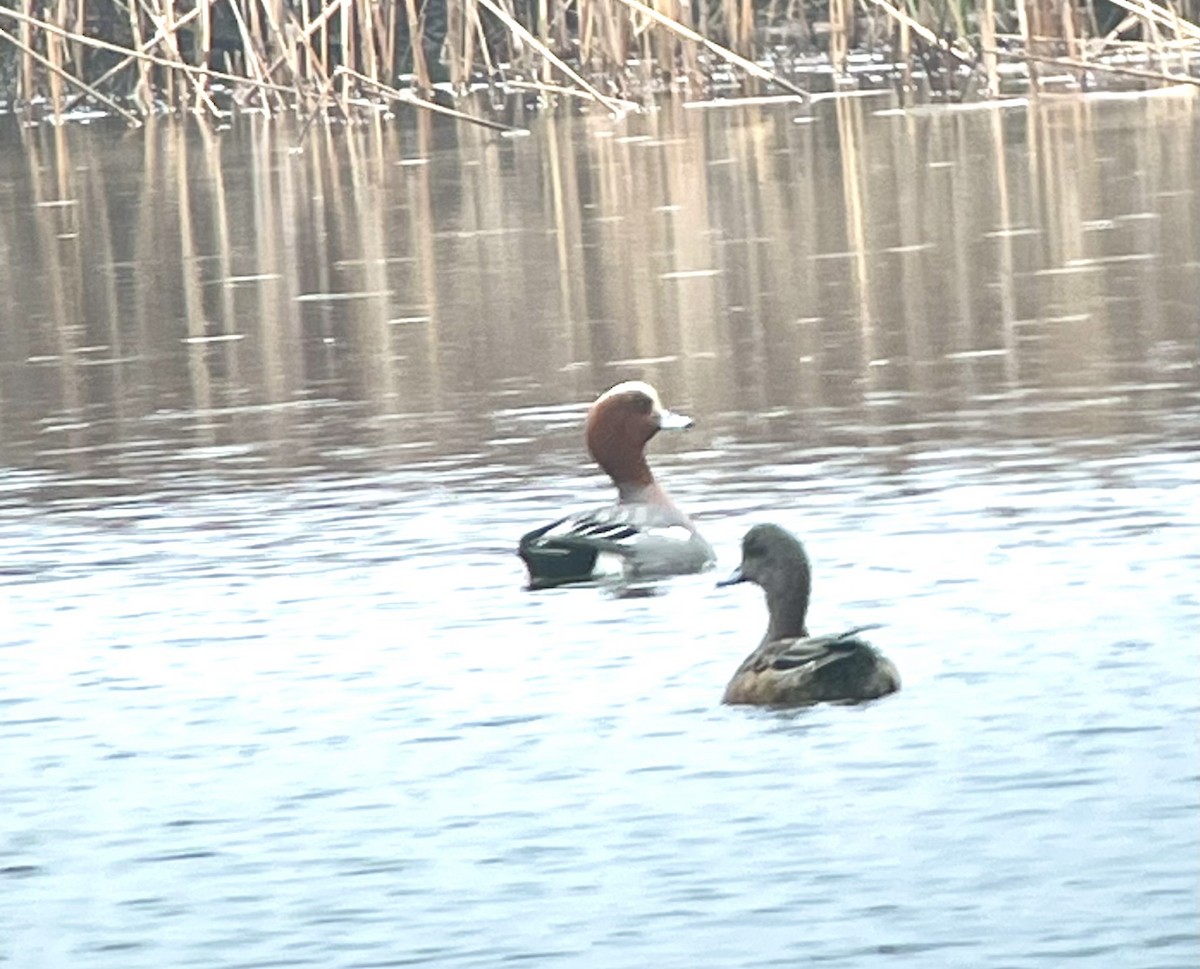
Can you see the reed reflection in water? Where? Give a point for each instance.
(271, 421)
(813, 264)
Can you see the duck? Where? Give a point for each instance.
(790, 668)
(643, 535)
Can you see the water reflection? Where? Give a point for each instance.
(271, 422)
(874, 264)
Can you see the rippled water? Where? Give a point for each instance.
(271, 423)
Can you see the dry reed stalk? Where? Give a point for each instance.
(311, 26)
(54, 57)
(164, 15)
(326, 88)
(611, 32)
(585, 30)
(327, 83)
(367, 20)
(77, 54)
(562, 36)
(1067, 12)
(957, 12)
(250, 55)
(27, 61)
(724, 53)
(684, 57)
(966, 57)
(543, 35)
(762, 101)
(838, 42)
(1101, 66)
(408, 97)
(275, 21)
(322, 22)
(1179, 45)
(470, 21)
(646, 59)
(515, 27)
(731, 15)
(987, 39)
(417, 46)
(204, 44)
(662, 47)
(168, 39)
(304, 37)
(690, 55)
(1186, 53)
(392, 23)
(160, 34)
(35, 57)
(1155, 36)
(1149, 10)
(622, 34)
(484, 53)
(143, 85)
(1025, 35)
(1178, 22)
(347, 36)
(55, 50)
(326, 44)
(798, 15)
(574, 92)
(254, 22)
(456, 39)
(143, 58)
(1022, 23)
(614, 33)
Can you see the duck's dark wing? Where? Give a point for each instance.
(817, 669)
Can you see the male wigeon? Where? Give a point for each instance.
(643, 535)
(790, 668)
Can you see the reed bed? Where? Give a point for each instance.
(337, 58)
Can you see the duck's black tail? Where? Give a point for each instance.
(556, 561)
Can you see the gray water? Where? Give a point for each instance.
(272, 419)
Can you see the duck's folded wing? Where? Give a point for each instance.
(814, 652)
(614, 528)
(798, 672)
(611, 534)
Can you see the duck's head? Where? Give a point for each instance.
(773, 558)
(620, 423)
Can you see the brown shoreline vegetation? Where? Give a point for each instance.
(336, 58)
